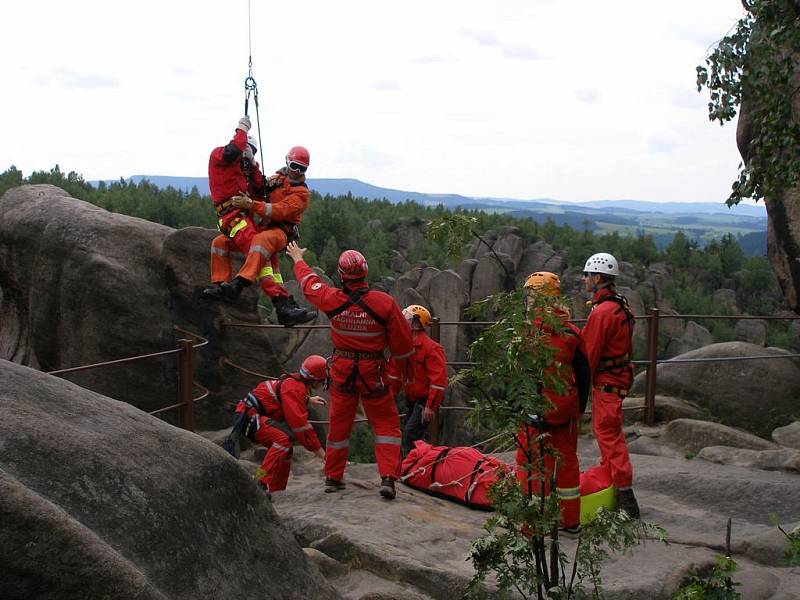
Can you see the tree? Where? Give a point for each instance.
(330, 256)
(758, 63)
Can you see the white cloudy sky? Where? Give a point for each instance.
(575, 100)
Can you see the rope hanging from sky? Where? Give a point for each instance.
(250, 85)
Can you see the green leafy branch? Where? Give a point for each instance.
(758, 63)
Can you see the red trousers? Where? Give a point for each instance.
(564, 441)
(276, 467)
(259, 248)
(607, 427)
(381, 412)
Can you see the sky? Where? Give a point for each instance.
(576, 101)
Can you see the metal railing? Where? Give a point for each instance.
(186, 381)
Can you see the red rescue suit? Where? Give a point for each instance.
(360, 332)
(560, 425)
(278, 419)
(430, 373)
(607, 343)
(260, 244)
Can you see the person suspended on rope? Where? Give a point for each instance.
(559, 425)
(425, 394)
(364, 323)
(274, 415)
(257, 217)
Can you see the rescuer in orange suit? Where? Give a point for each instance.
(607, 342)
(363, 324)
(559, 425)
(274, 415)
(424, 395)
(236, 184)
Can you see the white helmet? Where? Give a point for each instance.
(602, 262)
(253, 144)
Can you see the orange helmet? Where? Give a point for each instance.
(415, 311)
(352, 265)
(543, 282)
(314, 368)
(298, 159)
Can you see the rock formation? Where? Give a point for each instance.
(100, 500)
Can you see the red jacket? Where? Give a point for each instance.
(430, 373)
(607, 339)
(225, 176)
(354, 329)
(291, 409)
(287, 201)
(565, 406)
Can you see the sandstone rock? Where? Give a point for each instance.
(667, 409)
(408, 280)
(448, 296)
(509, 244)
(693, 435)
(783, 459)
(734, 391)
(398, 262)
(694, 336)
(411, 296)
(637, 306)
(326, 565)
(409, 234)
(652, 447)
(465, 269)
(725, 298)
(539, 256)
(425, 281)
(752, 331)
(489, 277)
(788, 436)
(100, 500)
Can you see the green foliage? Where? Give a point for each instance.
(716, 584)
(757, 62)
(362, 444)
(791, 552)
(453, 231)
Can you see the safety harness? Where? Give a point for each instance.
(355, 298)
(620, 362)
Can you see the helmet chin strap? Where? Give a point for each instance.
(602, 286)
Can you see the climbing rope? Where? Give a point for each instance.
(250, 85)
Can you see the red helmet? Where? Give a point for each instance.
(299, 155)
(314, 368)
(352, 265)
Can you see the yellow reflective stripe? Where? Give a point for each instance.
(259, 474)
(237, 228)
(265, 272)
(278, 278)
(568, 493)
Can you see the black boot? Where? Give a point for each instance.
(627, 501)
(226, 292)
(387, 488)
(289, 313)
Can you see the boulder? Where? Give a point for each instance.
(100, 500)
(425, 281)
(489, 277)
(405, 281)
(409, 234)
(509, 244)
(398, 262)
(539, 256)
(783, 459)
(788, 436)
(752, 331)
(667, 409)
(465, 269)
(756, 395)
(637, 306)
(693, 435)
(694, 336)
(448, 295)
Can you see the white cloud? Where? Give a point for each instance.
(584, 101)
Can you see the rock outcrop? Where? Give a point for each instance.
(757, 395)
(100, 500)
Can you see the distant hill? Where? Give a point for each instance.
(701, 221)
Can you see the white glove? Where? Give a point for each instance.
(244, 123)
(241, 202)
(248, 152)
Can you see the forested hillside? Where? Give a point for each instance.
(392, 238)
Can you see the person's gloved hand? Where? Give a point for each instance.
(241, 202)
(244, 123)
(248, 153)
(427, 415)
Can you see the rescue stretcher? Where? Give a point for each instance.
(464, 475)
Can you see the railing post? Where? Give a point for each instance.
(185, 386)
(433, 426)
(652, 364)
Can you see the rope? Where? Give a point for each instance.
(250, 84)
(419, 470)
